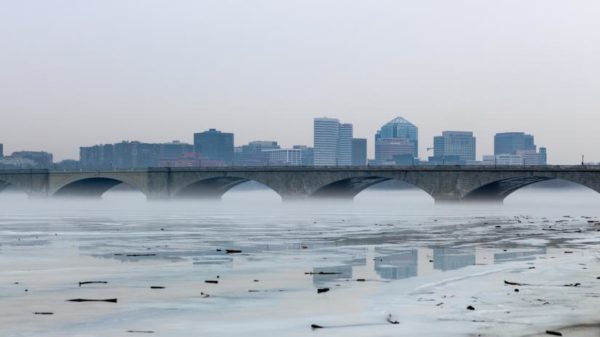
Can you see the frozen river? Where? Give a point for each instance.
(353, 269)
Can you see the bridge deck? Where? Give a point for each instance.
(454, 183)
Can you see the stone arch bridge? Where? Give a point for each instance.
(442, 183)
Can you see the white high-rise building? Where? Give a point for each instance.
(326, 136)
(332, 142)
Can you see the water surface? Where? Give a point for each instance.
(389, 255)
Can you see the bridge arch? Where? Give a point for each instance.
(15, 187)
(350, 187)
(347, 188)
(4, 185)
(213, 187)
(498, 190)
(209, 188)
(93, 186)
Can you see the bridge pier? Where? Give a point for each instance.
(158, 184)
(446, 201)
(490, 201)
(38, 195)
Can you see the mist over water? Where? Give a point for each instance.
(387, 252)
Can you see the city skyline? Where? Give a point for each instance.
(371, 148)
(85, 75)
(332, 158)
(395, 143)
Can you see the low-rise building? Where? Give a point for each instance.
(503, 160)
(388, 148)
(66, 165)
(41, 159)
(253, 154)
(131, 155)
(285, 157)
(308, 154)
(16, 163)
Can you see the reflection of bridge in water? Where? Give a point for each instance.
(442, 183)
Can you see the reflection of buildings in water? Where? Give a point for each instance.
(199, 257)
(425, 261)
(484, 256)
(358, 262)
(340, 272)
(366, 269)
(449, 259)
(346, 271)
(398, 265)
(392, 264)
(519, 256)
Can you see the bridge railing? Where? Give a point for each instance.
(320, 168)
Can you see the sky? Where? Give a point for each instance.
(78, 73)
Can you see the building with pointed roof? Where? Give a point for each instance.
(398, 130)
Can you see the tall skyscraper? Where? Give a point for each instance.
(543, 156)
(326, 141)
(461, 144)
(344, 156)
(399, 128)
(511, 142)
(214, 145)
(332, 142)
(1, 151)
(359, 151)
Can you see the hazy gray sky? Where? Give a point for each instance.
(98, 71)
